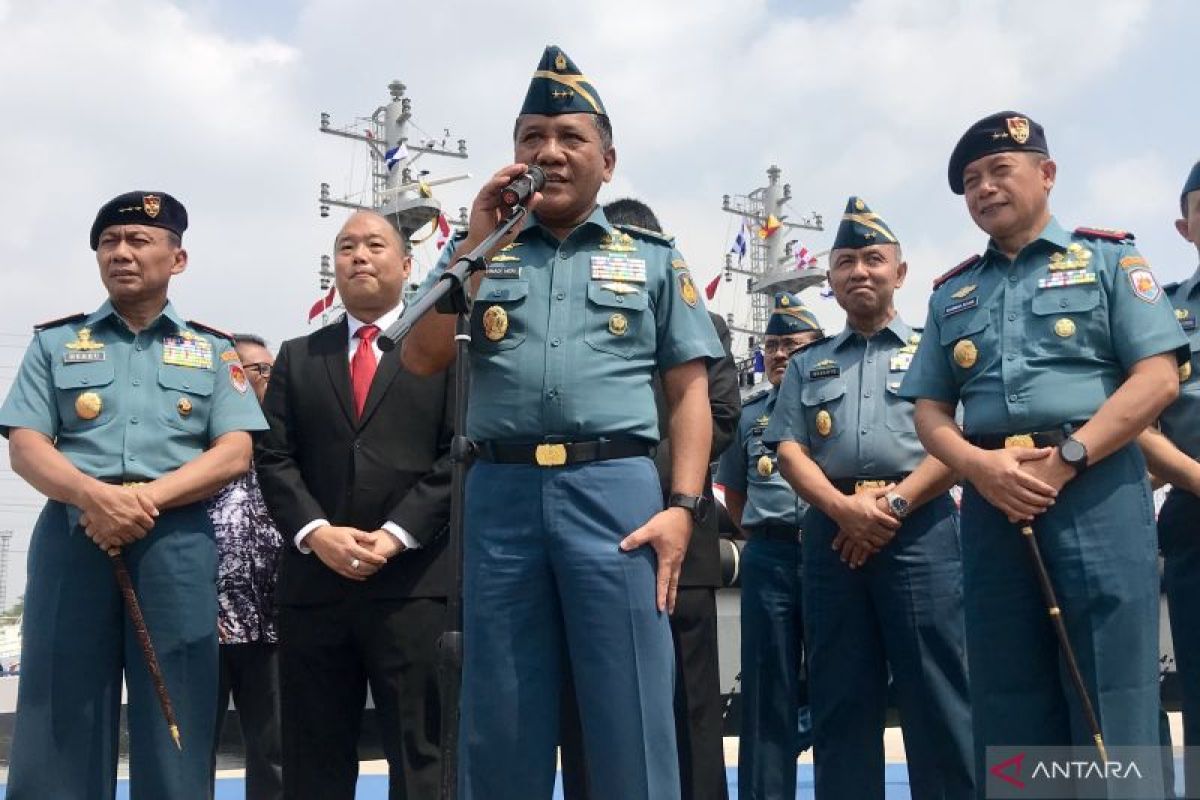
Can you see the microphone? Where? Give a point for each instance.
(519, 191)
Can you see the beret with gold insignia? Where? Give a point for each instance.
(1002, 132)
(558, 87)
(157, 209)
(861, 227)
(789, 315)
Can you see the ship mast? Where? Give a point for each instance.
(400, 190)
(770, 263)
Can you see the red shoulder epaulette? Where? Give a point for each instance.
(1112, 234)
(54, 323)
(960, 268)
(210, 329)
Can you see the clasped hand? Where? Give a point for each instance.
(1022, 482)
(115, 516)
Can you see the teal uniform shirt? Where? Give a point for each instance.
(769, 499)
(125, 406)
(840, 399)
(1031, 344)
(566, 335)
(1181, 421)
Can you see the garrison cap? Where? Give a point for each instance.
(861, 227)
(1003, 132)
(789, 315)
(1192, 184)
(158, 209)
(558, 87)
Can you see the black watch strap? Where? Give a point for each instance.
(1073, 452)
(696, 505)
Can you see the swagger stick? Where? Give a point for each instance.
(134, 610)
(1064, 644)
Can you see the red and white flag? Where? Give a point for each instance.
(803, 257)
(443, 231)
(710, 291)
(322, 305)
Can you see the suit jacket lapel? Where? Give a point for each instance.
(337, 363)
(385, 373)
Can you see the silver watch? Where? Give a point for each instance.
(898, 504)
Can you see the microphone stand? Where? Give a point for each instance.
(449, 296)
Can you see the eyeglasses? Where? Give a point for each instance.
(262, 369)
(782, 345)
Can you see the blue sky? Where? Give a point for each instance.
(217, 101)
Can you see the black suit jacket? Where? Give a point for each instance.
(702, 562)
(318, 461)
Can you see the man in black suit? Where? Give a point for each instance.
(356, 472)
(698, 722)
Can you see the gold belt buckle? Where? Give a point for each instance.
(128, 484)
(550, 455)
(1018, 440)
(863, 486)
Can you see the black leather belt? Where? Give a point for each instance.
(128, 481)
(775, 532)
(560, 454)
(999, 441)
(856, 485)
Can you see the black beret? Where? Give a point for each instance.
(158, 209)
(1191, 184)
(1003, 132)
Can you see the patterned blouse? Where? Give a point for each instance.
(248, 552)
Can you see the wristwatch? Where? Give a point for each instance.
(898, 505)
(696, 505)
(1074, 454)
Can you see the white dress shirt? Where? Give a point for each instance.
(404, 537)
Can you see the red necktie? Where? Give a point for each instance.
(362, 366)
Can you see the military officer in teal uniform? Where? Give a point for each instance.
(774, 728)
(567, 544)
(1173, 452)
(126, 419)
(1065, 340)
(882, 572)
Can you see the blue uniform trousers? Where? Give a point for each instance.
(78, 640)
(543, 571)
(1179, 538)
(903, 610)
(1099, 547)
(772, 653)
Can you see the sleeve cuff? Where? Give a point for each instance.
(298, 539)
(404, 537)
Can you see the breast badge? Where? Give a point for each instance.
(1064, 327)
(824, 423)
(965, 353)
(765, 466)
(618, 325)
(88, 405)
(495, 323)
(184, 407)
(83, 349)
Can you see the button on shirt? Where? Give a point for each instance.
(769, 498)
(1181, 421)
(565, 335)
(840, 399)
(122, 405)
(352, 325)
(1043, 339)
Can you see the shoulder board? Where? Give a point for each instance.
(1170, 287)
(915, 329)
(54, 323)
(220, 334)
(1110, 234)
(653, 236)
(970, 262)
(459, 236)
(755, 397)
(813, 343)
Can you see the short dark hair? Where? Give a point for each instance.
(174, 239)
(629, 211)
(249, 338)
(603, 127)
